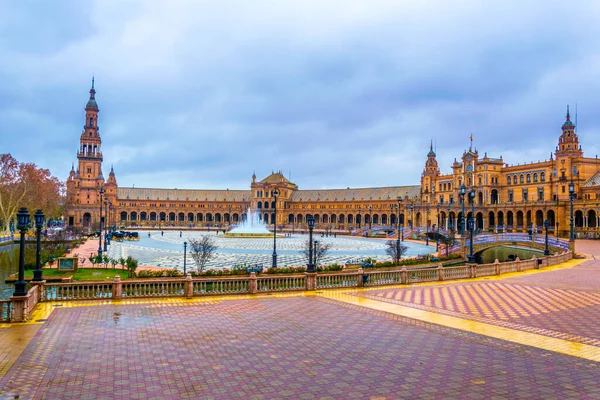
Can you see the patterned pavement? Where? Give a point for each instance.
(532, 335)
(272, 348)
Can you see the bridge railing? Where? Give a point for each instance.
(19, 309)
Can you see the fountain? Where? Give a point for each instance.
(251, 227)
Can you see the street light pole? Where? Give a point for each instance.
(39, 224)
(462, 192)
(370, 218)
(546, 250)
(274, 265)
(105, 226)
(100, 236)
(471, 257)
(398, 227)
(571, 198)
(22, 226)
(184, 258)
(427, 224)
(311, 224)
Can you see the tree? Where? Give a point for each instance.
(132, 265)
(319, 252)
(395, 250)
(202, 250)
(26, 185)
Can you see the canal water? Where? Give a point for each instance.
(507, 253)
(9, 264)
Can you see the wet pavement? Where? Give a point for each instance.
(527, 335)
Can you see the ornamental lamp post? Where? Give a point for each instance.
(316, 247)
(437, 239)
(22, 226)
(427, 225)
(310, 220)
(400, 234)
(105, 226)
(546, 250)
(39, 224)
(100, 236)
(462, 192)
(184, 258)
(571, 198)
(274, 264)
(471, 257)
(370, 218)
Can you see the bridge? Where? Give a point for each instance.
(486, 241)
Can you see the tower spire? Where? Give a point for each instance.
(568, 114)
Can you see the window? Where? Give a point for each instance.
(562, 189)
(528, 178)
(525, 195)
(543, 177)
(535, 177)
(510, 196)
(91, 121)
(515, 179)
(89, 170)
(521, 179)
(508, 180)
(540, 195)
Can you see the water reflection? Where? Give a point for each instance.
(9, 264)
(507, 253)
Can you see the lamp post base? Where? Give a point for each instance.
(546, 252)
(274, 260)
(37, 275)
(20, 288)
(471, 259)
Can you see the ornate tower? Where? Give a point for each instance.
(568, 142)
(429, 175)
(83, 185)
(568, 154)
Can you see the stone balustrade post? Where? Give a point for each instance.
(440, 271)
(188, 287)
(39, 285)
(253, 283)
(117, 289)
(519, 267)
(403, 275)
(473, 270)
(497, 266)
(360, 274)
(535, 263)
(19, 308)
(311, 280)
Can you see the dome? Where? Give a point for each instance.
(568, 124)
(91, 105)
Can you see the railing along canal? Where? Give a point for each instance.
(188, 287)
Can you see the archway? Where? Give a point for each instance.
(519, 219)
(133, 216)
(494, 197)
(123, 216)
(172, 217)
(479, 219)
(539, 219)
(550, 215)
(87, 220)
(510, 221)
(591, 219)
(143, 216)
(491, 219)
(578, 219)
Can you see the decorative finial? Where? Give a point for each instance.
(92, 82)
(568, 114)
(431, 145)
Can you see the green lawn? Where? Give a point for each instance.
(83, 274)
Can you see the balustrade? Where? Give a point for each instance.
(337, 280)
(77, 291)
(220, 286)
(5, 310)
(153, 288)
(280, 283)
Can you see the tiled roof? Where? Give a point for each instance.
(275, 177)
(593, 181)
(382, 193)
(182, 194)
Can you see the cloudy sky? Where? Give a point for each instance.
(199, 94)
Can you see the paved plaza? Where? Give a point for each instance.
(523, 335)
(167, 250)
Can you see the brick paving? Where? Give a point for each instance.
(273, 348)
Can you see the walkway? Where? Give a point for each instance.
(528, 335)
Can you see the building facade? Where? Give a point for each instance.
(503, 198)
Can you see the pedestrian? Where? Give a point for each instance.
(179, 233)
